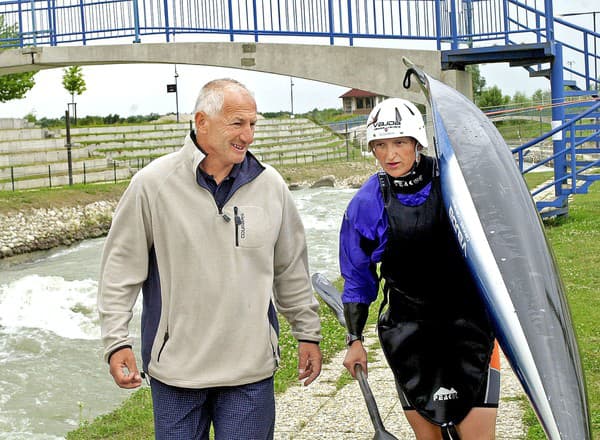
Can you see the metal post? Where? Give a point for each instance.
(292, 96)
(549, 20)
(68, 145)
(12, 177)
(558, 117)
(136, 22)
(595, 53)
(176, 93)
(453, 25)
(49, 177)
(347, 146)
(468, 5)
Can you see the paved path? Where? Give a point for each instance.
(321, 411)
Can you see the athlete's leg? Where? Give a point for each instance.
(245, 412)
(423, 429)
(480, 424)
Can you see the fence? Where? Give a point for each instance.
(55, 175)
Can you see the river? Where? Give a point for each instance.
(52, 376)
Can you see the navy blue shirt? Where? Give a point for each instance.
(220, 191)
(244, 172)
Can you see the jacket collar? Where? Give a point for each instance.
(249, 169)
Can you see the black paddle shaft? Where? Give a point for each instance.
(380, 432)
(333, 299)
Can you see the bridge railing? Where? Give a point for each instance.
(439, 22)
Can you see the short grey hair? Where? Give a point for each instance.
(211, 96)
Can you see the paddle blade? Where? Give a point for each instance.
(329, 294)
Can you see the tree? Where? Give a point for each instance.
(13, 85)
(492, 97)
(519, 98)
(478, 81)
(541, 97)
(73, 81)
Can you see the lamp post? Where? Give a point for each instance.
(292, 96)
(172, 88)
(176, 94)
(68, 146)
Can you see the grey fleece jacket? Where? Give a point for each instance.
(209, 278)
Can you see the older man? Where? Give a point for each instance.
(214, 241)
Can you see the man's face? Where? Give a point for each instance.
(226, 136)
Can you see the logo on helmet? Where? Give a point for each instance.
(385, 125)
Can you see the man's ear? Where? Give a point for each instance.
(201, 120)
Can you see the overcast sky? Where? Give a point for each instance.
(141, 89)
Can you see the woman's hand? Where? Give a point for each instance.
(356, 354)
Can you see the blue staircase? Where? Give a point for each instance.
(524, 33)
(548, 47)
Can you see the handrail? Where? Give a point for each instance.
(574, 172)
(557, 129)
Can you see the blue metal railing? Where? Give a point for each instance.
(574, 170)
(453, 22)
(52, 22)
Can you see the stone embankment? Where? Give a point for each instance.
(40, 229)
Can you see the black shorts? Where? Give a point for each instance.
(489, 397)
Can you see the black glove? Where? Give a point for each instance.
(356, 317)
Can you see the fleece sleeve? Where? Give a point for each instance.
(124, 267)
(293, 293)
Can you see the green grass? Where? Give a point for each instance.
(78, 194)
(522, 129)
(575, 243)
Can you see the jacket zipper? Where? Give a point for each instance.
(162, 347)
(238, 222)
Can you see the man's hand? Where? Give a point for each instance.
(356, 354)
(309, 362)
(124, 369)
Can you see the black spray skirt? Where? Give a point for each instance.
(440, 361)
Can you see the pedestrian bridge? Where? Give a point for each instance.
(378, 70)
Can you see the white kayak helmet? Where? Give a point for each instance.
(396, 117)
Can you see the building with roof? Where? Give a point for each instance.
(360, 101)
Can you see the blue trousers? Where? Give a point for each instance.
(245, 412)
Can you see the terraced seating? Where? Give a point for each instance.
(33, 157)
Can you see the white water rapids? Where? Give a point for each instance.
(52, 376)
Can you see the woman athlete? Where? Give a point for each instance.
(432, 325)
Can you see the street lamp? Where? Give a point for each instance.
(172, 88)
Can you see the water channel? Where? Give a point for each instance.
(52, 375)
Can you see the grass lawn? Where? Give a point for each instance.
(575, 243)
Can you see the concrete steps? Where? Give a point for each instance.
(33, 157)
